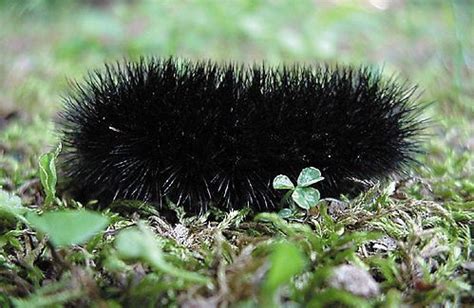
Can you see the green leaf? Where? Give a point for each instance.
(140, 243)
(69, 227)
(330, 297)
(285, 213)
(286, 261)
(47, 172)
(309, 176)
(305, 197)
(282, 182)
(131, 244)
(10, 206)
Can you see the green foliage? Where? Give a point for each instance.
(302, 195)
(286, 260)
(55, 294)
(305, 197)
(309, 176)
(68, 227)
(140, 244)
(47, 174)
(11, 207)
(282, 182)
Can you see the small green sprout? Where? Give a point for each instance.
(302, 194)
(47, 174)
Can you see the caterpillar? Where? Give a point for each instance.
(202, 133)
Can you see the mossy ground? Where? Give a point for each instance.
(413, 236)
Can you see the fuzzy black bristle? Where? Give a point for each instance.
(201, 133)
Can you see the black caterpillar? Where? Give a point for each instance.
(201, 133)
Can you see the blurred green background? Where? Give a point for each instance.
(43, 43)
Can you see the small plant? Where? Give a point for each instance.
(302, 195)
(47, 174)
